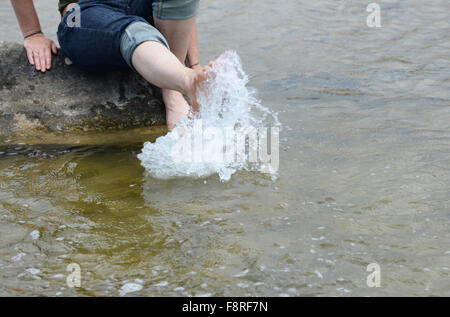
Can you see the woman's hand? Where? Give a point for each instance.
(39, 51)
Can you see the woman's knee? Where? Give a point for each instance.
(135, 34)
(105, 39)
(175, 9)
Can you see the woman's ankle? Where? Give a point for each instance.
(187, 82)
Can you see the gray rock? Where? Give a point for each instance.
(68, 99)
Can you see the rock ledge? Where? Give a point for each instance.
(68, 99)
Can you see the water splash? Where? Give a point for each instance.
(216, 140)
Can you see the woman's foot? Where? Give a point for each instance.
(176, 107)
(193, 79)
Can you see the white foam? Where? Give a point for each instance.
(319, 275)
(161, 284)
(204, 295)
(35, 234)
(197, 147)
(130, 288)
(58, 276)
(241, 274)
(18, 256)
(33, 271)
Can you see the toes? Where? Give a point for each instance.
(201, 76)
(195, 104)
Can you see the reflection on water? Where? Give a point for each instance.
(364, 173)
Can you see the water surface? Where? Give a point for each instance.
(364, 171)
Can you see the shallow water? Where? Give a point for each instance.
(364, 171)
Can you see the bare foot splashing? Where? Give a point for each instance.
(232, 131)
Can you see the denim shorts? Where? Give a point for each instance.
(110, 30)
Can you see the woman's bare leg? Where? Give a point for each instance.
(178, 35)
(162, 68)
